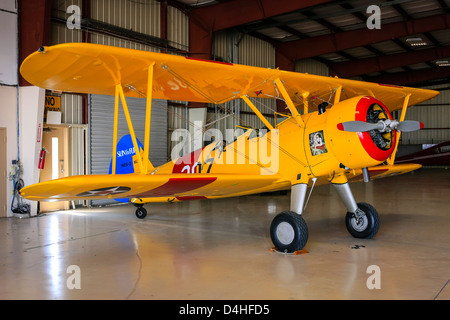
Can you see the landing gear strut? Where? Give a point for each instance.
(365, 224)
(288, 231)
(362, 220)
(141, 212)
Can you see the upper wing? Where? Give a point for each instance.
(93, 68)
(147, 186)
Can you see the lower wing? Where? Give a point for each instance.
(164, 186)
(382, 171)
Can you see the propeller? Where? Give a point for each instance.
(382, 126)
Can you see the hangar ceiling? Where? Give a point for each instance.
(412, 46)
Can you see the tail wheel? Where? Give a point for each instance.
(289, 232)
(365, 224)
(141, 212)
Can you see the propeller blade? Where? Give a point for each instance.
(359, 126)
(382, 126)
(409, 125)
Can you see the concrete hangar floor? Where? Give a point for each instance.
(220, 249)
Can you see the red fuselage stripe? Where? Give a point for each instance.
(176, 186)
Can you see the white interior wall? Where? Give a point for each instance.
(31, 101)
(8, 47)
(8, 85)
(31, 111)
(8, 120)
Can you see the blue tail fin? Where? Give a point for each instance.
(124, 156)
(126, 159)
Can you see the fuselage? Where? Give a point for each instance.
(318, 150)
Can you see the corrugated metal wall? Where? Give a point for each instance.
(235, 47)
(178, 118)
(140, 16)
(220, 47)
(435, 114)
(312, 66)
(101, 131)
(258, 53)
(226, 115)
(177, 29)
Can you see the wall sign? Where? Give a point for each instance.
(52, 103)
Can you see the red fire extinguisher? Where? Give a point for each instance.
(42, 158)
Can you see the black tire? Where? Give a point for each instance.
(289, 232)
(368, 225)
(141, 212)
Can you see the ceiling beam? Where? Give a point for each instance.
(204, 21)
(311, 47)
(34, 28)
(233, 13)
(350, 69)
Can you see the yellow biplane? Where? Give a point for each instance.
(350, 136)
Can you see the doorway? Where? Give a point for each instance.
(3, 179)
(55, 140)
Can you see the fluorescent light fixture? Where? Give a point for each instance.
(443, 63)
(416, 42)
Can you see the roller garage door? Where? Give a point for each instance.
(101, 123)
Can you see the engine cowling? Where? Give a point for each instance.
(360, 149)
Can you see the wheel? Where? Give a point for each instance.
(367, 225)
(289, 232)
(141, 212)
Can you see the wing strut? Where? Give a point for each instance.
(305, 96)
(148, 117)
(256, 111)
(402, 117)
(289, 102)
(337, 95)
(145, 165)
(116, 117)
(119, 94)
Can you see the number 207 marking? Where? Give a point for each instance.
(191, 169)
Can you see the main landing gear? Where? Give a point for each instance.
(289, 232)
